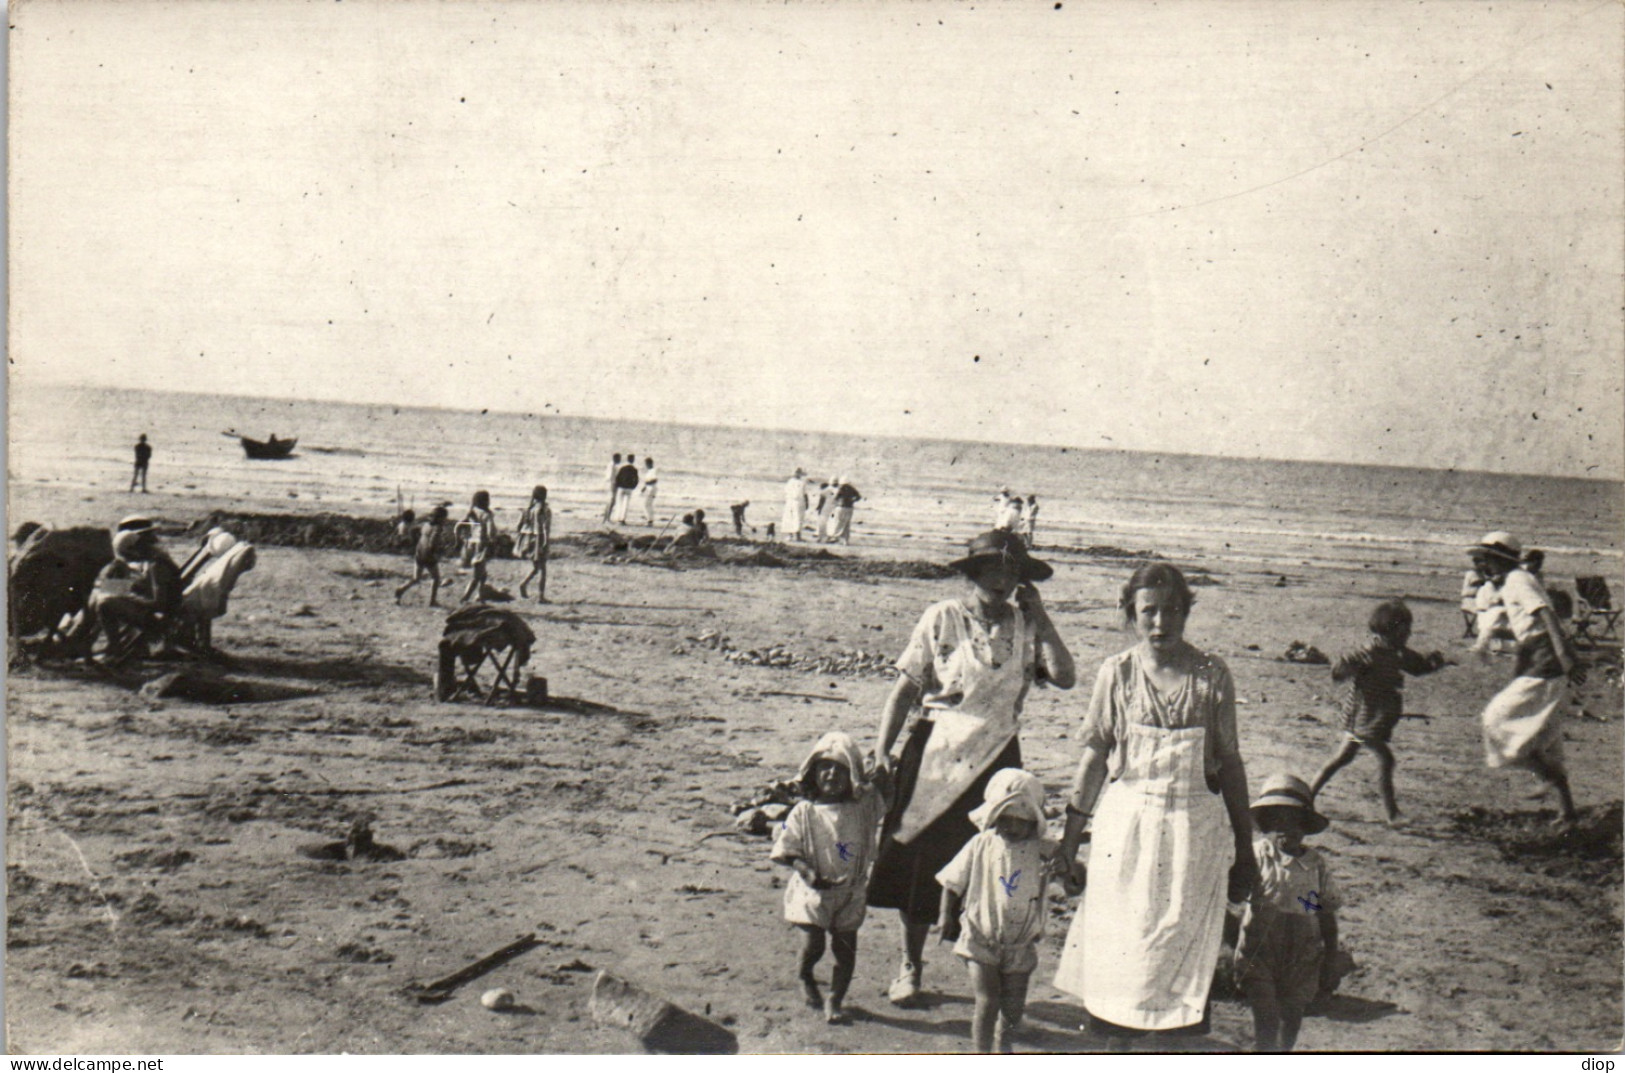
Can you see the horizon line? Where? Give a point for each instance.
(48, 383)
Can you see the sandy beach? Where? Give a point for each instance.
(159, 899)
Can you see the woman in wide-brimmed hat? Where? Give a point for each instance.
(967, 667)
(1523, 724)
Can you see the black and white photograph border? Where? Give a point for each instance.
(531, 520)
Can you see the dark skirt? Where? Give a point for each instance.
(905, 875)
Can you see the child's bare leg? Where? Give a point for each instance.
(474, 583)
(1291, 1022)
(434, 586)
(812, 950)
(1385, 777)
(526, 581)
(417, 576)
(984, 980)
(1337, 763)
(844, 945)
(1266, 1016)
(1012, 1006)
(541, 582)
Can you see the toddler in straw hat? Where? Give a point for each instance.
(1287, 953)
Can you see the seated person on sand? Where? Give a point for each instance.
(693, 532)
(136, 594)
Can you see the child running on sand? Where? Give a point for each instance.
(829, 841)
(1374, 705)
(1286, 954)
(425, 553)
(993, 903)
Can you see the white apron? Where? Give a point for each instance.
(1142, 950)
(968, 737)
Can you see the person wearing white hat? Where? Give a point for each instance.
(1523, 723)
(828, 840)
(994, 905)
(136, 593)
(846, 497)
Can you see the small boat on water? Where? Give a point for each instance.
(272, 448)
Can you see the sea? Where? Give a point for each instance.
(922, 498)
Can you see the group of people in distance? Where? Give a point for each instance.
(625, 480)
(476, 538)
(826, 509)
(1016, 515)
(941, 823)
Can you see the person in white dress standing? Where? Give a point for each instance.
(651, 479)
(826, 508)
(795, 505)
(1172, 837)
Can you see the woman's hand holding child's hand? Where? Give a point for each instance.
(949, 927)
(1070, 874)
(1243, 879)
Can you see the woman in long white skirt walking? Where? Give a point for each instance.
(1523, 724)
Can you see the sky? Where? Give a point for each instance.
(1353, 231)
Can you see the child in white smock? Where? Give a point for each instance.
(828, 840)
(993, 903)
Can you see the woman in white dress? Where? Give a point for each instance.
(795, 505)
(1172, 837)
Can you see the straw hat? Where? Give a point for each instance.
(1289, 791)
(1002, 545)
(1500, 544)
(135, 523)
(127, 543)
